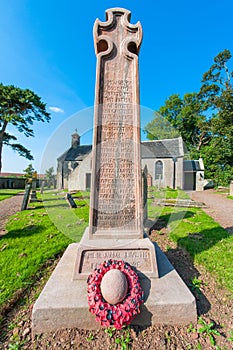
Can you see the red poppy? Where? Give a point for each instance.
(121, 314)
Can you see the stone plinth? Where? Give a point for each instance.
(139, 253)
(63, 301)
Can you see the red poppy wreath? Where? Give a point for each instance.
(120, 311)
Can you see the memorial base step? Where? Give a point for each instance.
(63, 301)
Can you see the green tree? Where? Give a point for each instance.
(29, 171)
(181, 116)
(20, 108)
(50, 176)
(160, 128)
(217, 93)
(205, 120)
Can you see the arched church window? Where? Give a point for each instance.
(158, 170)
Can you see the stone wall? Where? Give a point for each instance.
(9, 182)
(78, 177)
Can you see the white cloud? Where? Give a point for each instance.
(56, 109)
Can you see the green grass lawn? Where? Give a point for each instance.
(7, 193)
(167, 193)
(33, 238)
(206, 241)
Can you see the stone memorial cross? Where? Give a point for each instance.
(116, 197)
(116, 207)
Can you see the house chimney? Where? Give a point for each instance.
(75, 139)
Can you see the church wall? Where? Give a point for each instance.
(77, 179)
(167, 179)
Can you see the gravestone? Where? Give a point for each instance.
(144, 193)
(231, 188)
(26, 196)
(42, 187)
(149, 180)
(116, 207)
(33, 197)
(70, 201)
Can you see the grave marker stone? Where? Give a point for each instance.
(70, 201)
(231, 188)
(26, 196)
(33, 197)
(42, 187)
(145, 191)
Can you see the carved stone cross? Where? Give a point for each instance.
(116, 197)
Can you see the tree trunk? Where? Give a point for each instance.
(2, 132)
(1, 144)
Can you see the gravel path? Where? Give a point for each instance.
(219, 207)
(9, 207)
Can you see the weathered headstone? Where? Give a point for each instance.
(149, 180)
(42, 187)
(33, 197)
(116, 206)
(26, 196)
(145, 192)
(70, 201)
(231, 188)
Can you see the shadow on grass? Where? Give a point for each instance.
(162, 221)
(192, 245)
(35, 208)
(25, 232)
(53, 199)
(183, 264)
(197, 242)
(229, 230)
(56, 205)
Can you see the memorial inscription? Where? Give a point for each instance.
(140, 259)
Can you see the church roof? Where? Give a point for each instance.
(166, 148)
(75, 153)
(193, 165)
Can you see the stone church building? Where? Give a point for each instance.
(164, 160)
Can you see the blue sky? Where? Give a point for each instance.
(47, 46)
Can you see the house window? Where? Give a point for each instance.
(158, 170)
